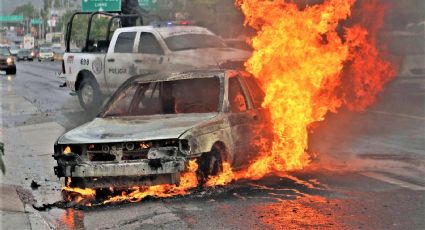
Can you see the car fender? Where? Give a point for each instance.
(202, 138)
(78, 65)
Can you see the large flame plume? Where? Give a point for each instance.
(309, 65)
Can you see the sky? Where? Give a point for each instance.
(7, 6)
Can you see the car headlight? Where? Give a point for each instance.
(9, 60)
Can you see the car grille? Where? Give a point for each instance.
(3, 61)
(126, 155)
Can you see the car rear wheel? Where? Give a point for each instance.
(89, 94)
(211, 164)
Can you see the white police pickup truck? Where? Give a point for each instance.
(100, 69)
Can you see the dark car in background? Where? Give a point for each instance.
(7, 62)
(24, 55)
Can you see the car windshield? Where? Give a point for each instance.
(4, 51)
(193, 41)
(198, 95)
(45, 50)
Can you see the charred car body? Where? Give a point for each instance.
(154, 124)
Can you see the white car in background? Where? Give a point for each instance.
(46, 54)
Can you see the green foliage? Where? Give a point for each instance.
(79, 29)
(27, 10)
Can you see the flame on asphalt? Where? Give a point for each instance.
(308, 65)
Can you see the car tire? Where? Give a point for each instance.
(210, 164)
(89, 94)
(11, 71)
(39, 60)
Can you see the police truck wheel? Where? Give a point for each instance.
(89, 94)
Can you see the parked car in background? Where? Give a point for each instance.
(24, 55)
(14, 50)
(7, 62)
(46, 54)
(155, 124)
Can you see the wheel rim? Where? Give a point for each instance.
(87, 93)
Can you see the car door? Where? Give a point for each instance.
(241, 118)
(119, 59)
(149, 56)
(261, 129)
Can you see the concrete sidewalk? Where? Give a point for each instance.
(12, 209)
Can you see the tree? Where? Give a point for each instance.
(27, 10)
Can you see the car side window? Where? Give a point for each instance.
(237, 98)
(125, 42)
(149, 44)
(125, 99)
(255, 90)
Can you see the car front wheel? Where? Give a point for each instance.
(89, 94)
(211, 164)
(11, 71)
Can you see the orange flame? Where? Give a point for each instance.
(308, 66)
(188, 181)
(299, 57)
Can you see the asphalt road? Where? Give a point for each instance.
(368, 171)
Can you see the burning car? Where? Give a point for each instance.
(155, 124)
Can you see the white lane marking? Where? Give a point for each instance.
(397, 114)
(394, 181)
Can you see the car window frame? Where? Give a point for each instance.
(244, 92)
(251, 94)
(131, 81)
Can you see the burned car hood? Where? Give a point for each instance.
(157, 127)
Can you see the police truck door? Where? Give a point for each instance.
(150, 54)
(119, 59)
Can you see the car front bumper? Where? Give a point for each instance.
(5, 67)
(45, 58)
(123, 174)
(139, 168)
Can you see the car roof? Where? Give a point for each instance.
(172, 76)
(191, 74)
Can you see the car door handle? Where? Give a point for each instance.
(138, 61)
(255, 118)
(111, 60)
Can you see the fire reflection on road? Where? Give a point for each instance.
(71, 219)
(296, 214)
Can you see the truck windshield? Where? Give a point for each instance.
(193, 41)
(4, 51)
(199, 95)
